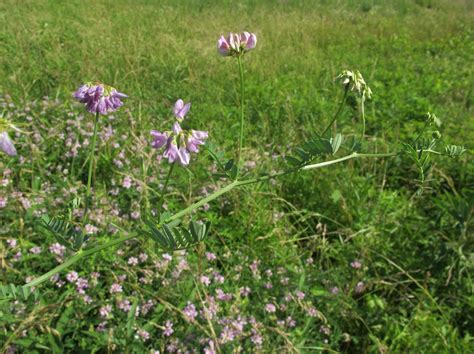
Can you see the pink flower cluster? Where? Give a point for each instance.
(6, 144)
(236, 44)
(99, 98)
(179, 143)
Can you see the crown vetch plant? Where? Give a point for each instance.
(178, 144)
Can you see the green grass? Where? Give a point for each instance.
(416, 248)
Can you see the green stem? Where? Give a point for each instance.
(163, 191)
(146, 208)
(91, 164)
(81, 254)
(205, 200)
(242, 108)
(421, 132)
(346, 91)
(77, 257)
(362, 112)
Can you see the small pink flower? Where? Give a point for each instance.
(105, 311)
(72, 277)
(90, 229)
(205, 280)
(360, 287)
(143, 335)
(11, 242)
(244, 291)
(270, 308)
(127, 182)
(35, 250)
(190, 312)
(133, 261)
(356, 264)
(221, 296)
(299, 294)
(210, 256)
(116, 288)
(312, 312)
(57, 249)
(168, 331)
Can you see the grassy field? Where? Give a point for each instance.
(359, 257)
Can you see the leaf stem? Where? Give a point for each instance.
(91, 164)
(242, 109)
(77, 257)
(362, 112)
(163, 191)
(346, 91)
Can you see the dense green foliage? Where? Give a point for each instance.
(363, 255)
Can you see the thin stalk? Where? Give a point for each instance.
(81, 254)
(205, 200)
(146, 208)
(91, 164)
(163, 191)
(421, 132)
(77, 257)
(346, 91)
(362, 112)
(242, 108)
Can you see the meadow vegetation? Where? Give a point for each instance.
(363, 256)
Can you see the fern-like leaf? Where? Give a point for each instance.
(313, 148)
(177, 237)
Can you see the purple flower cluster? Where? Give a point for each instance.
(236, 44)
(179, 143)
(99, 98)
(6, 144)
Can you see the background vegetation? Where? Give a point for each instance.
(413, 291)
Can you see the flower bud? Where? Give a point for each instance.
(436, 135)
